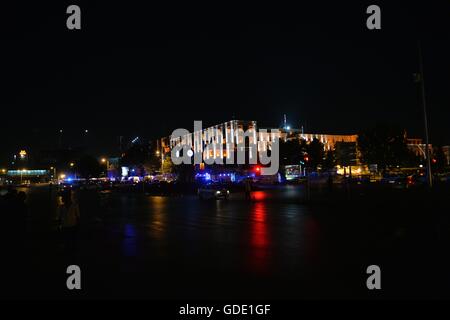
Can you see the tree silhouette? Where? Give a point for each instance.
(345, 153)
(329, 161)
(88, 167)
(385, 146)
(292, 151)
(143, 157)
(315, 151)
(167, 165)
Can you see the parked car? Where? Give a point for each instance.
(392, 179)
(403, 181)
(213, 191)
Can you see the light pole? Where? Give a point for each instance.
(54, 173)
(72, 165)
(60, 138)
(159, 156)
(86, 132)
(106, 163)
(425, 119)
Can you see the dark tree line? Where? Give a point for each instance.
(312, 155)
(386, 146)
(142, 157)
(383, 145)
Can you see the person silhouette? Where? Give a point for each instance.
(69, 217)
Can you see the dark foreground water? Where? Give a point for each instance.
(275, 246)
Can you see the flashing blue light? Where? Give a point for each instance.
(69, 179)
(207, 176)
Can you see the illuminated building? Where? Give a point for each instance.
(224, 134)
(28, 175)
(289, 134)
(231, 133)
(417, 146)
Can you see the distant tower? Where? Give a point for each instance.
(285, 122)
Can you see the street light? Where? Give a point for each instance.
(85, 138)
(21, 174)
(106, 162)
(54, 172)
(60, 138)
(72, 164)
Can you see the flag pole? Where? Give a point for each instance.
(425, 118)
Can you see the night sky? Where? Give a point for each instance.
(144, 71)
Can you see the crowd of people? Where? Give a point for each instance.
(15, 211)
(16, 217)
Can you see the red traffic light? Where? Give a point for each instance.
(306, 158)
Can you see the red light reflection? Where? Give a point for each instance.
(259, 195)
(259, 239)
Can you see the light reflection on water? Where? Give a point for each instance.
(258, 259)
(259, 235)
(129, 243)
(158, 216)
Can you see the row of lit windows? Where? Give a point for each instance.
(27, 172)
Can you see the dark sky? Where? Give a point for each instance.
(144, 71)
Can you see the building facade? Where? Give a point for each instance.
(218, 139)
(214, 142)
(417, 146)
